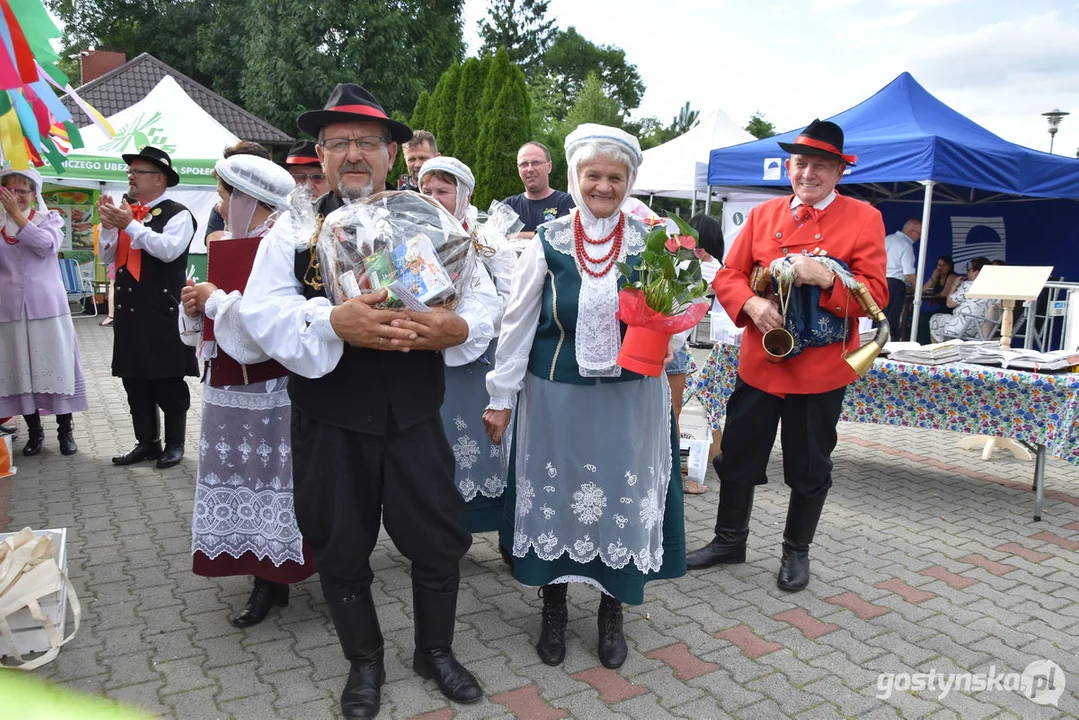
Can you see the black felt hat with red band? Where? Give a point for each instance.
(821, 137)
(302, 152)
(351, 103)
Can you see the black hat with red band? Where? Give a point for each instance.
(351, 103)
(302, 152)
(821, 137)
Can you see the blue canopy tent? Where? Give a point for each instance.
(911, 146)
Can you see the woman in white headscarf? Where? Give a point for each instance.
(244, 522)
(478, 473)
(592, 499)
(40, 370)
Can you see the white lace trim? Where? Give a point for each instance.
(238, 520)
(270, 400)
(597, 336)
(615, 555)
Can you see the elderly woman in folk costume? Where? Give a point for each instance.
(40, 370)
(244, 522)
(592, 498)
(478, 473)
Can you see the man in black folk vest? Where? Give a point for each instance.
(149, 242)
(367, 441)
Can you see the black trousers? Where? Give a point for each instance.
(897, 297)
(144, 397)
(809, 437)
(345, 482)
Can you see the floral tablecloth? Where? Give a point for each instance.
(1039, 408)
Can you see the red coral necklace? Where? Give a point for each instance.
(10, 240)
(584, 259)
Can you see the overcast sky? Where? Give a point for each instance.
(1001, 63)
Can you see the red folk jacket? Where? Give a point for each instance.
(848, 230)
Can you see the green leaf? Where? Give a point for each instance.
(654, 241)
(683, 227)
(625, 269)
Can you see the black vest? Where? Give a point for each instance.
(368, 387)
(146, 341)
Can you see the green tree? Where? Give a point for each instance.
(760, 128)
(419, 119)
(466, 123)
(399, 168)
(594, 106)
(572, 57)
(519, 26)
(296, 51)
(506, 128)
(684, 121)
(443, 109)
(500, 73)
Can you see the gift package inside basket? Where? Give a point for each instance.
(400, 241)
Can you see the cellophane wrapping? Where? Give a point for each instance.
(395, 236)
(633, 310)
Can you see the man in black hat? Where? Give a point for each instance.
(804, 390)
(305, 168)
(149, 241)
(367, 441)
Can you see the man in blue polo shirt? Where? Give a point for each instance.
(539, 202)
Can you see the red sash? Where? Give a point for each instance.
(125, 255)
(228, 266)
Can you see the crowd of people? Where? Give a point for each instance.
(324, 421)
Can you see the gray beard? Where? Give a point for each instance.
(355, 193)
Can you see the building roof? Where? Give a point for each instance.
(126, 85)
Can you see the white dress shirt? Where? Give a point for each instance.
(900, 249)
(166, 246)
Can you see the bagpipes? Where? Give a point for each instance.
(806, 323)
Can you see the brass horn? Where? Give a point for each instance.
(862, 359)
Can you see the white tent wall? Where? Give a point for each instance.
(673, 169)
(168, 118)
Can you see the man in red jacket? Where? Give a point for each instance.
(806, 390)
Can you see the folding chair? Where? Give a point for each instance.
(78, 282)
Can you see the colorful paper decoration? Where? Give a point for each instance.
(35, 127)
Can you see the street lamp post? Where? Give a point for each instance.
(1054, 117)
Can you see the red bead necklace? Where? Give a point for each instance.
(584, 259)
(13, 240)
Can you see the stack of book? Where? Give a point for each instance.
(935, 354)
(1056, 361)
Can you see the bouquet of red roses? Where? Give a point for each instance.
(661, 296)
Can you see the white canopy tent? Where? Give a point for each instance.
(679, 168)
(166, 118)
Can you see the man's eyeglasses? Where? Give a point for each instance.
(301, 178)
(367, 144)
(132, 171)
(531, 164)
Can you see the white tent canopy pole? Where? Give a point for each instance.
(927, 206)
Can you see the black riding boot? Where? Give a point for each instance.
(147, 439)
(732, 528)
(265, 595)
(175, 433)
(356, 623)
(435, 614)
(551, 647)
(36, 435)
(66, 435)
(802, 516)
(612, 643)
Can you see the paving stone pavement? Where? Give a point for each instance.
(926, 560)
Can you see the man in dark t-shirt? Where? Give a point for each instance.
(539, 202)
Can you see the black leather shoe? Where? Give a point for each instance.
(265, 595)
(718, 552)
(66, 435)
(551, 647)
(612, 643)
(362, 696)
(793, 568)
(35, 442)
(171, 456)
(139, 453)
(455, 682)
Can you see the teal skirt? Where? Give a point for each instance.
(627, 583)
